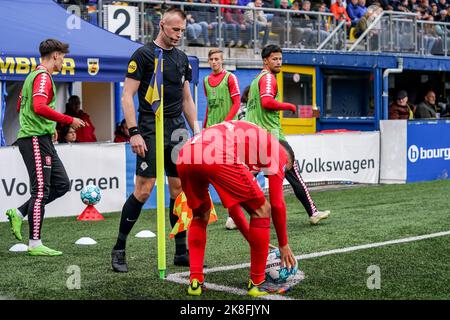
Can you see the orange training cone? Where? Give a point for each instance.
(90, 214)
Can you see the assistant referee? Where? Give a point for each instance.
(177, 100)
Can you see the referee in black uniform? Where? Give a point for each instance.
(177, 100)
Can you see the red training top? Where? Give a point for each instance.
(236, 142)
(42, 96)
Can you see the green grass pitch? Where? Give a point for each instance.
(362, 215)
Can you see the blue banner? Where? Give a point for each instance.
(428, 150)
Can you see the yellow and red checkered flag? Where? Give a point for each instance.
(184, 214)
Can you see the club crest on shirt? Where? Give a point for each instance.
(93, 66)
(48, 160)
(144, 166)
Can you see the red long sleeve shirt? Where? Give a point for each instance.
(268, 91)
(42, 96)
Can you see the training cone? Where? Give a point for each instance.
(90, 214)
(19, 247)
(86, 241)
(145, 234)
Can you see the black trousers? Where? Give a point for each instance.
(48, 179)
(299, 186)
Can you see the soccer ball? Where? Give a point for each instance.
(90, 194)
(274, 271)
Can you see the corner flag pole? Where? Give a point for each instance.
(161, 216)
(155, 96)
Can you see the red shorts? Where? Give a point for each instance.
(233, 182)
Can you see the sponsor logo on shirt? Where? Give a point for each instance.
(132, 66)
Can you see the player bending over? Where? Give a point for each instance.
(226, 155)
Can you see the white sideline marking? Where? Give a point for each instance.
(216, 287)
(178, 277)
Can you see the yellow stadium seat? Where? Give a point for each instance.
(352, 34)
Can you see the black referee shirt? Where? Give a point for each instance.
(176, 71)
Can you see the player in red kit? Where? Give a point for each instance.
(227, 155)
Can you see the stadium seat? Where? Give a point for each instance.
(352, 34)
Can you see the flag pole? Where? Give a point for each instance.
(161, 216)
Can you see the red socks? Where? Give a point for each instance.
(197, 244)
(239, 219)
(258, 237)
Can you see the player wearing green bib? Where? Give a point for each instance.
(224, 100)
(221, 91)
(263, 109)
(38, 118)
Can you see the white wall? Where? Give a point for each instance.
(393, 151)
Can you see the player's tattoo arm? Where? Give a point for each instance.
(190, 109)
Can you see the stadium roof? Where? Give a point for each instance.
(25, 23)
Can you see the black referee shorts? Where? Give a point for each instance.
(175, 133)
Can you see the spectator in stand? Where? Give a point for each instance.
(428, 108)
(73, 109)
(302, 25)
(431, 40)
(363, 8)
(354, 12)
(207, 16)
(442, 4)
(404, 6)
(296, 26)
(425, 9)
(313, 40)
(279, 22)
(441, 30)
(365, 21)
(344, 2)
(400, 108)
(195, 30)
(443, 16)
(321, 7)
(268, 4)
(262, 24)
(243, 3)
(339, 12)
(231, 24)
(244, 31)
(67, 134)
(277, 3)
(413, 5)
(152, 18)
(435, 12)
(121, 134)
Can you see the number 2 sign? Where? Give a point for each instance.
(122, 20)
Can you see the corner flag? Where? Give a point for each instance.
(155, 96)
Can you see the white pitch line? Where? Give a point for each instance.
(216, 287)
(178, 277)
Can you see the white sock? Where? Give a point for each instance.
(34, 243)
(315, 213)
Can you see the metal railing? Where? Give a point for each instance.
(308, 37)
(391, 31)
